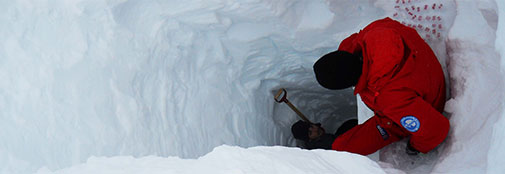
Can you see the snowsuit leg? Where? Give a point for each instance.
(370, 136)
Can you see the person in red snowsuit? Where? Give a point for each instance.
(398, 76)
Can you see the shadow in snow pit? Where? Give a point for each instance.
(331, 108)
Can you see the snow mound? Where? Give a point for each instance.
(233, 160)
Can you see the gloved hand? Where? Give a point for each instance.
(410, 150)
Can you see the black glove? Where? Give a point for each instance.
(347, 125)
(410, 150)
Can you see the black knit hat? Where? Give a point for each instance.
(300, 130)
(338, 70)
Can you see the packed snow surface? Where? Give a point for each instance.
(186, 86)
(227, 159)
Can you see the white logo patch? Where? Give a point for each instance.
(410, 123)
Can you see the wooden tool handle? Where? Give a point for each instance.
(297, 111)
(281, 97)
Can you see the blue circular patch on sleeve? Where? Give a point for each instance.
(410, 123)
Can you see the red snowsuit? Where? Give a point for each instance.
(403, 83)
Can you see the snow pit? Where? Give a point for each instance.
(330, 108)
(186, 86)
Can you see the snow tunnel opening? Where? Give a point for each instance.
(328, 107)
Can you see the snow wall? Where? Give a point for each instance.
(123, 80)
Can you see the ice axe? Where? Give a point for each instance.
(281, 97)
